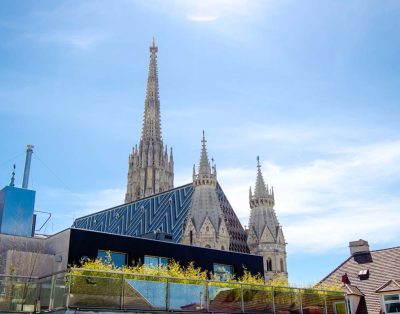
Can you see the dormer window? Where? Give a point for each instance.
(392, 303)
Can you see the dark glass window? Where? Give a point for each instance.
(117, 259)
(269, 264)
(155, 261)
(392, 303)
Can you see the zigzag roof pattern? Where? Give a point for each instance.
(166, 212)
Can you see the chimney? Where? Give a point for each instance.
(360, 246)
(29, 151)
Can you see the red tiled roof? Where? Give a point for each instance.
(383, 265)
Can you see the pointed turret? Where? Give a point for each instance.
(150, 172)
(265, 235)
(260, 190)
(205, 175)
(151, 118)
(205, 224)
(261, 193)
(204, 166)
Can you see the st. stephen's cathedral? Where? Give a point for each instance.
(197, 213)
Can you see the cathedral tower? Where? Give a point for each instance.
(205, 225)
(265, 236)
(151, 168)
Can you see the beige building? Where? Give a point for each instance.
(265, 235)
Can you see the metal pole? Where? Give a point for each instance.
(29, 151)
(122, 292)
(69, 291)
(241, 297)
(167, 295)
(207, 297)
(326, 307)
(273, 300)
(51, 301)
(37, 301)
(301, 301)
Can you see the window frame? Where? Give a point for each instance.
(269, 263)
(232, 273)
(159, 264)
(114, 252)
(339, 302)
(384, 302)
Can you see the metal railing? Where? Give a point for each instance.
(88, 289)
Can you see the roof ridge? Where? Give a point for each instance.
(389, 248)
(340, 265)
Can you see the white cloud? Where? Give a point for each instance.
(232, 18)
(325, 203)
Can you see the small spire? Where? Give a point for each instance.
(12, 181)
(260, 190)
(204, 167)
(154, 42)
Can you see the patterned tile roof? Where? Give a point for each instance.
(165, 212)
(381, 266)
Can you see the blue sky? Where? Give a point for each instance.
(310, 86)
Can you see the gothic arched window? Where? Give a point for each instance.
(269, 264)
(207, 229)
(222, 248)
(282, 266)
(208, 246)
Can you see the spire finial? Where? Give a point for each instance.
(12, 181)
(154, 42)
(204, 163)
(261, 190)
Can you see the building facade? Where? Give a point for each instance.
(370, 278)
(205, 223)
(265, 235)
(151, 166)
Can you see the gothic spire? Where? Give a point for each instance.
(204, 167)
(150, 170)
(151, 118)
(260, 190)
